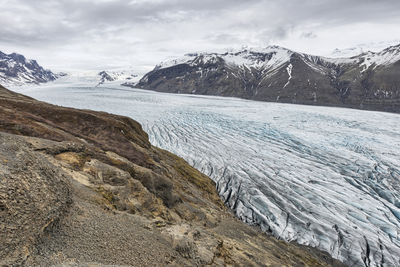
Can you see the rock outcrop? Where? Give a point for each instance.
(80, 188)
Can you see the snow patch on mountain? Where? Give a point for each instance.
(361, 48)
(289, 69)
(270, 57)
(386, 57)
(186, 59)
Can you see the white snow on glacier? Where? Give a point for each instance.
(324, 177)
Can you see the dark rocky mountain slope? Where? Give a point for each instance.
(15, 69)
(275, 74)
(85, 188)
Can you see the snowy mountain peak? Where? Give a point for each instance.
(116, 76)
(15, 69)
(251, 57)
(361, 48)
(275, 73)
(272, 57)
(348, 52)
(277, 47)
(385, 57)
(393, 50)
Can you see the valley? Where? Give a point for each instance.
(324, 177)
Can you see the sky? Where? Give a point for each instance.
(66, 35)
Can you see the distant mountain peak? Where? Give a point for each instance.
(120, 76)
(257, 57)
(362, 48)
(15, 69)
(385, 57)
(393, 48)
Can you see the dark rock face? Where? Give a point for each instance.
(15, 69)
(104, 76)
(275, 74)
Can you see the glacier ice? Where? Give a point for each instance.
(320, 176)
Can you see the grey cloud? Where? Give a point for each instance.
(224, 38)
(278, 32)
(118, 27)
(308, 35)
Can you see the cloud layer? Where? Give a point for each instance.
(87, 34)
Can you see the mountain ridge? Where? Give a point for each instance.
(15, 69)
(277, 74)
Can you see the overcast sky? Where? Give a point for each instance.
(103, 34)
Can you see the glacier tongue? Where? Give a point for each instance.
(324, 177)
(326, 180)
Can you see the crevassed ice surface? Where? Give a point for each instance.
(324, 177)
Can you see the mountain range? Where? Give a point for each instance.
(370, 80)
(15, 69)
(362, 48)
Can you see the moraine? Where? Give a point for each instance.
(324, 177)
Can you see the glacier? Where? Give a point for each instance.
(319, 176)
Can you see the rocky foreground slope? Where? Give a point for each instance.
(79, 187)
(367, 81)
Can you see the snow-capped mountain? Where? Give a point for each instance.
(95, 78)
(361, 48)
(386, 57)
(369, 80)
(15, 69)
(119, 76)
